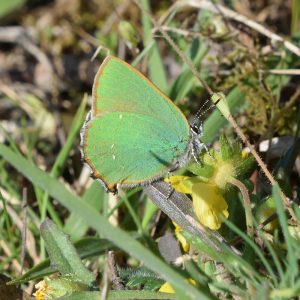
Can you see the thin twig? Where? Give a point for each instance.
(252, 150)
(114, 17)
(175, 47)
(295, 72)
(115, 279)
(179, 31)
(294, 98)
(154, 228)
(30, 238)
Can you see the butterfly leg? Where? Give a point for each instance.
(195, 156)
(206, 149)
(170, 188)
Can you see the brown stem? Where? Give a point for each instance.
(247, 204)
(115, 279)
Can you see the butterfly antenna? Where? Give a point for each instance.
(197, 123)
(197, 126)
(197, 116)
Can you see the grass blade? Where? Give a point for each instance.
(292, 267)
(93, 196)
(156, 68)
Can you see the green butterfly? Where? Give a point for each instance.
(134, 134)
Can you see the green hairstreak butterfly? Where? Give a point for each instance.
(134, 134)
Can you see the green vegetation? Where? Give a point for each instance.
(229, 229)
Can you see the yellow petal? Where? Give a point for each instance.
(166, 288)
(245, 154)
(209, 204)
(183, 184)
(41, 287)
(180, 183)
(184, 244)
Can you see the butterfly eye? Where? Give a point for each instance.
(195, 129)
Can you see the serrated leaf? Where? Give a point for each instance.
(225, 148)
(245, 166)
(135, 282)
(153, 285)
(205, 171)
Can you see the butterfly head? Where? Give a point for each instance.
(196, 128)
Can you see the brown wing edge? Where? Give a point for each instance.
(112, 188)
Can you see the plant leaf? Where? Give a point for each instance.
(63, 254)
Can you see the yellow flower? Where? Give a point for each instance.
(184, 244)
(53, 288)
(41, 293)
(167, 287)
(209, 204)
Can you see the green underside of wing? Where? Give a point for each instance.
(131, 148)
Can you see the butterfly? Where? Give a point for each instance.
(134, 134)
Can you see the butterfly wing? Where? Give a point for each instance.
(135, 133)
